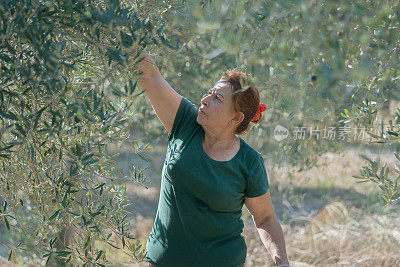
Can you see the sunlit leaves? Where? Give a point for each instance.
(66, 92)
(388, 184)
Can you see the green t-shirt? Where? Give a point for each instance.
(198, 220)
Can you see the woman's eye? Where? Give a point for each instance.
(216, 96)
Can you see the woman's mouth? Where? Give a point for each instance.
(201, 111)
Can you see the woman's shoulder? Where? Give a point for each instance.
(249, 154)
(185, 120)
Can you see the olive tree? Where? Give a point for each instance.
(66, 92)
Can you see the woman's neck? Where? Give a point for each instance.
(221, 140)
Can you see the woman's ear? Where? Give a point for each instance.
(238, 118)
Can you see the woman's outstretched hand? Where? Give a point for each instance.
(146, 66)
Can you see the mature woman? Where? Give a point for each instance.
(208, 173)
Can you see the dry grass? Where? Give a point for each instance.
(333, 238)
(355, 231)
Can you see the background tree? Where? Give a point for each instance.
(317, 64)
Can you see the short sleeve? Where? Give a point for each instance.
(257, 180)
(185, 119)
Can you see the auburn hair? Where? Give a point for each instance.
(246, 97)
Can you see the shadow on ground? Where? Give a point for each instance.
(292, 205)
(297, 205)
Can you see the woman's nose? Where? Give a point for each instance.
(204, 101)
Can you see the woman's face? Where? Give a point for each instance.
(216, 110)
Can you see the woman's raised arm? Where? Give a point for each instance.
(164, 99)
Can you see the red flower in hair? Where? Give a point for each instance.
(261, 108)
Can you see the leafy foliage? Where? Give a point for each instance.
(381, 175)
(66, 92)
(309, 61)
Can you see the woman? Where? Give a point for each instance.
(208, 174)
